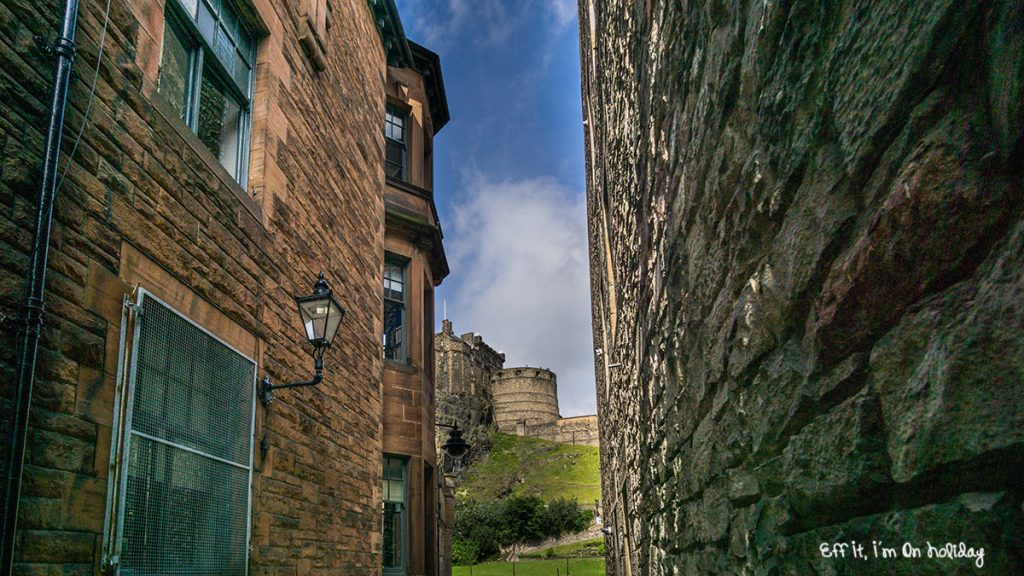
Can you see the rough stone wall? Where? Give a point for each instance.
(464, 364)
(806, 242)
(580, 430)
(524, 396)
(141, 188)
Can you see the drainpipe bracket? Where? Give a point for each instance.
(33, 311)
(59, 47)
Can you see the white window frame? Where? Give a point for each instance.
(121, 431)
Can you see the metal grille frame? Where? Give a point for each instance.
(123, 434)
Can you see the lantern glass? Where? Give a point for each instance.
(321, 317)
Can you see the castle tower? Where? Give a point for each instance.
(525, 401)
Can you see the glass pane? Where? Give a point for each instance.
(207, 23)
(392, 546)
(219, 124)
(393, 312)
(225, 51)
(230, 19)
(394, 280)
(174, 71)
(396, 490)
(394, 160)
(190, 6)
(245, 45)
(241, 73)
(394, 125)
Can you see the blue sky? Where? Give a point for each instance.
(509, 181)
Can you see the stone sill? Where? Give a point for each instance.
(214, 165)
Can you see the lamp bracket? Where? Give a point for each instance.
(266, 387)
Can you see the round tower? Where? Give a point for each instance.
(524, 398)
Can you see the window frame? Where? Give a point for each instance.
(397, 112)
(121, 434)
(403, 353)
(404, 529)
(202, 55)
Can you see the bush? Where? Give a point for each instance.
(563, 516)
(465, 552)
(516, 520)
(601, 549)
(483, 524)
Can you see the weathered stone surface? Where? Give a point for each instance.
(806, 225)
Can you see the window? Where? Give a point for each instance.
(394, 524)
(183, 490)
(206, 75)
(395, 156)
(394, 310)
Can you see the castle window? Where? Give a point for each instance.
(395, 156)
(206, 75)
(394, 310)
(395, 521)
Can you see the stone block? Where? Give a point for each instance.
(57, 547)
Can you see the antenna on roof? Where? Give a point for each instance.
(444, 307)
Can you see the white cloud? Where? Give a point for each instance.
(483, 22)
(518, 254)
(564, 11)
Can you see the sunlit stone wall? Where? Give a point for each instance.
(806, 242)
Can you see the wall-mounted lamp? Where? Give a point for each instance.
(321, 316)
(456, 447)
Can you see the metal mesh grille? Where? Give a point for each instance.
(187, 499)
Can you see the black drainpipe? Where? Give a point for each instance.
(32, 307)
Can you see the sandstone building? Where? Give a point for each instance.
(414, 263)
(231, 151)
(478, 392)
(806, 231)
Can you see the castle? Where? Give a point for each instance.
(474, 389)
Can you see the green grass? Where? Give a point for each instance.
(577, 567)
(575, 550)
(518, 465)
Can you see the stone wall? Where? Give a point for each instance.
(578, 430)
(806, 241)
(144, 203)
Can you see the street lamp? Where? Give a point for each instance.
(456, 447)
(321, 315)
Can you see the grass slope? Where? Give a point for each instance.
(588, 548)
(577, 567)
(518, 465)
